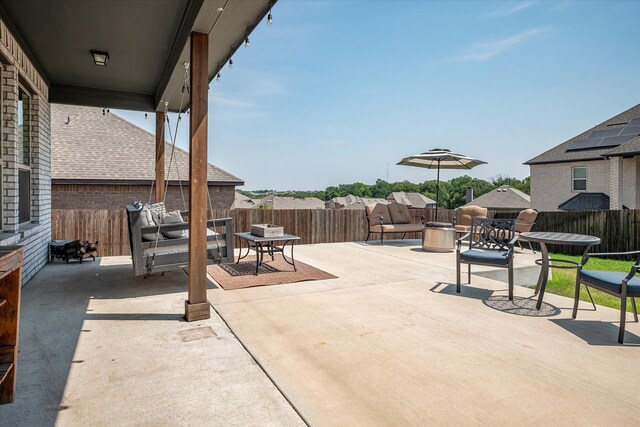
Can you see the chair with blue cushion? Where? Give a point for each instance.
(491, 242)
(619, 284)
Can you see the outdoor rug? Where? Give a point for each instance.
(277, 272)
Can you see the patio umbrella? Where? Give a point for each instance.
(439, 158)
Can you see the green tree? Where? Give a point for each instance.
(523, 185)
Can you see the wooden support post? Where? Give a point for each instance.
(197, 307)
(160, 118)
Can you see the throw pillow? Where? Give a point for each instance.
(173, 218)
(399, 213)
(157, 210)
(146, 220)
(374, 212)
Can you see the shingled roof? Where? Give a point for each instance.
(278, 202)
(413, 200)
(88, 146)
(559, 153)
(503, 197)
(586, 202)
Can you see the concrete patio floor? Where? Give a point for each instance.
(99, 347)
(388, 342)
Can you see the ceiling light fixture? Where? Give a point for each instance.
(100, 58)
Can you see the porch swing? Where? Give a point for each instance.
(159, 240)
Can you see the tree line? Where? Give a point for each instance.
(452, 192)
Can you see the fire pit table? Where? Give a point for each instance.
(438, 237)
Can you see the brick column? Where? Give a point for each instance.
(9, 148)
(615, 183)
(41, 160)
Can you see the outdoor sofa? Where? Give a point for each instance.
(392, 218)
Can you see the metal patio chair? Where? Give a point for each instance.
(619, 284)
(524, 223)
(491, 242)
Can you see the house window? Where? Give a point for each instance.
(579, 179)
(24, 157)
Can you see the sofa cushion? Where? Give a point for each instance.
(374, 212)
(397, 228)
(173, 217)
(463, 228)
(399, 213)
(181, 246)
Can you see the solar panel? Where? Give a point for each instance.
(611, 137)
(631, 130)
(604, 133)
(585, 144)
(614, 141)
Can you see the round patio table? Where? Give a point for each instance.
(544, 238)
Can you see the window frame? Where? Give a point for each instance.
(574, 178)
(20, 166)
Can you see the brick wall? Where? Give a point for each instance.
(34, 235)
(551, 183)
(79, 196)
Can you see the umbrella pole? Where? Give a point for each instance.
(438, 190)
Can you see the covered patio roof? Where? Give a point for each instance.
(147, 42)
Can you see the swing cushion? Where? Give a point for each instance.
(146, 219)
(173, 218)
(182, 246)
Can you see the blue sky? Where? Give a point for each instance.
(338, 91)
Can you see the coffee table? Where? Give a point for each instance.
(544, 238)
(269, 245)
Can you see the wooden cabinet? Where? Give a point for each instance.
(10, 272)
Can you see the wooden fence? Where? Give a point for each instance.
(109, 226)
(619, 230)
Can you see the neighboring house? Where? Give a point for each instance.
(352, 202)
(102, 161)
(503, 199)
(413, 200)
(243, 202)
(276, 202)
(589, 169)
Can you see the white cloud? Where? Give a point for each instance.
(485, 50)
(510, 8)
